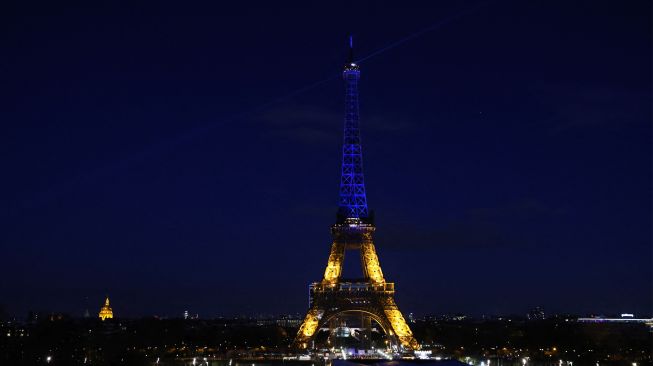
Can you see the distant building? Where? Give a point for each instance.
(105, 311)
(623, 319)
(288, 321)
(185, 314)
(536, 314)
(32, 317)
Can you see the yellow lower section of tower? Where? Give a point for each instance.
(401, 328)
(309, 327)
(373, 273)
(334, 265)
(371, 266)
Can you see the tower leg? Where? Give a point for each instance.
(366, 328)
(308, 328)
(333, 328)
(371, 266)
(334, 265)
(399, 325)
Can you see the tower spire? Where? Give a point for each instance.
(351, 49)
(353, 201)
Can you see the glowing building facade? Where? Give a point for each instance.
(106, 312)
(371, 297)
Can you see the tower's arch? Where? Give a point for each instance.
(380, 320)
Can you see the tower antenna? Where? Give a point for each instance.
(351, 49)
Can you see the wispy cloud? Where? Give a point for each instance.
(301, 115)
(306, 124)
(578, 106)
(482, 227)
(312, 124)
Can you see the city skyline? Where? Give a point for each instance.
(173, 161)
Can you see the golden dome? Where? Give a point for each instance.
(105, 311)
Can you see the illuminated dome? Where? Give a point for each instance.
(105, 311)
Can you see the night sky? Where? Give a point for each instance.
(180, 156)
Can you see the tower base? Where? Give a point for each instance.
(372, 301)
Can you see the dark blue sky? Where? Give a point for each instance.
(152, 152)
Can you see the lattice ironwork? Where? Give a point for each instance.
(334, 297)
(372, 296)
(353, 200)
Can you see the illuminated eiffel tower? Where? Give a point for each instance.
(370, 297)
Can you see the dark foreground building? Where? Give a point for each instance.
(502, 341)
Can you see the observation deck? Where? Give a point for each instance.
(353, 286)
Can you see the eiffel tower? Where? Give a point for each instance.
(370, 297)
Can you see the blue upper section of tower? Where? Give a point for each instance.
(353, 202)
